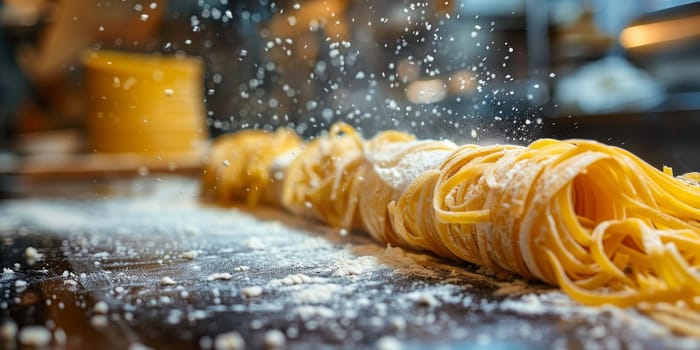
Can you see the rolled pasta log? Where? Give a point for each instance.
(595, 220)
(249, 166)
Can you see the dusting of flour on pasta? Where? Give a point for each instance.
(410, 167)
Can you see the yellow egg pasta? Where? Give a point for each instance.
(594, 220)
(248, 166)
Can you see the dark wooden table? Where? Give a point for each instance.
(105, 254)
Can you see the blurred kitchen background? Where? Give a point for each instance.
(480, 71)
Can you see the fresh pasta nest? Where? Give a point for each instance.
(595, 220)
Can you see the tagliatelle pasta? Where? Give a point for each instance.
(248, 166)
(595, 220)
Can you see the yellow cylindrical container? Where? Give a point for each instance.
(143, 103)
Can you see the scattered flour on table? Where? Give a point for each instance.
(167, 281)
(138, 346)
(32, 255)
(101, 308)
(59, 336)
(320, 298)
(35, 336)
(252, 291)
(317, 294)
(311, 242)
(99, 321)
(7, 273)
(298, 278)
(424, 299)
(557, 303)
(20, 286)
(229, 341)
(254, 243)
(306, 312)
(347, 266)
(388, 342)
(275, 339)
(189, 255)
(70, 283)
(45, 214)
(325, 283)
(224, 276)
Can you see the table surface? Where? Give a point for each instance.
(320, 288)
